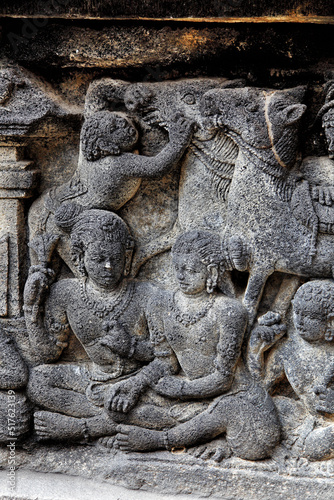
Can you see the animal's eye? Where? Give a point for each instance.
(189, 99)
(252, 107)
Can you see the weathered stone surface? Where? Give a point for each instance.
(154, 52)
(166, 222)
(190, 9)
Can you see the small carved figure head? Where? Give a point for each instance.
(137, 97)
(107, 133)
(101, 244)
(196, 260)
(313, 311)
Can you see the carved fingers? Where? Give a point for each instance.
(181, 128)
(325, 399)
(323, 194)
(35, 289)
(269, 319)
(117, 339)
(122, 397)
(268, 332)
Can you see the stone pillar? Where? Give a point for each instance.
(17, 179)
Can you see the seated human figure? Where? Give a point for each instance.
(198, 371)
(104, 310)
(15, 410)
(306, 359)
(109, 171)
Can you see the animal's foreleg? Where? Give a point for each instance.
(256, 283)
(286, 292)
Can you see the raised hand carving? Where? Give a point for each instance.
(105, 311)
(109, 172)
(305, 358)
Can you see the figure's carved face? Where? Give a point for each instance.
(121, 135)
(105, 263)
(190, 273)
(309, 320)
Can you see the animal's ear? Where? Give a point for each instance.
(296, 93)
(293, 113)
(233, 84)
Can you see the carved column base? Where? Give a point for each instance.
(16, 182)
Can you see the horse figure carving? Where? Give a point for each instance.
(208, 165)
(272, 222)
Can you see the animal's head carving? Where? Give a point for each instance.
(255, 116)
(158, 103)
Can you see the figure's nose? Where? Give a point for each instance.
(108, 264)
(180, 275)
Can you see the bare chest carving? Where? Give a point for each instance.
(179, 288)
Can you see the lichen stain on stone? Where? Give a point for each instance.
(192, 39)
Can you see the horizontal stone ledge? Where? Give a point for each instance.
(161, 10)
(146, 46)
(10, 179)
(220, 20)
(10, 194)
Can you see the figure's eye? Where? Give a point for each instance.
(97, 258)
(189, 99)
(253, 107)
(191, 270)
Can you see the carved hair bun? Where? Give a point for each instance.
(67, 215)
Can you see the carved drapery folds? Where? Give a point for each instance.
(180, 284)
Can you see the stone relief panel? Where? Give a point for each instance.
(178, 290)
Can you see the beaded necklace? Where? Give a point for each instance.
(187, 319)
(112, 309)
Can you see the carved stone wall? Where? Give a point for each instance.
(166, 246)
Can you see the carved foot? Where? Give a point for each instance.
(216, 450)
(58, 427)
(131, 438)
(107, 442)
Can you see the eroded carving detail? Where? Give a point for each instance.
(200, 316)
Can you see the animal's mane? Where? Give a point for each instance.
(219, 157)
(279, 179)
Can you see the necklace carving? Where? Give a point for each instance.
(190, 319)
(113, 308)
